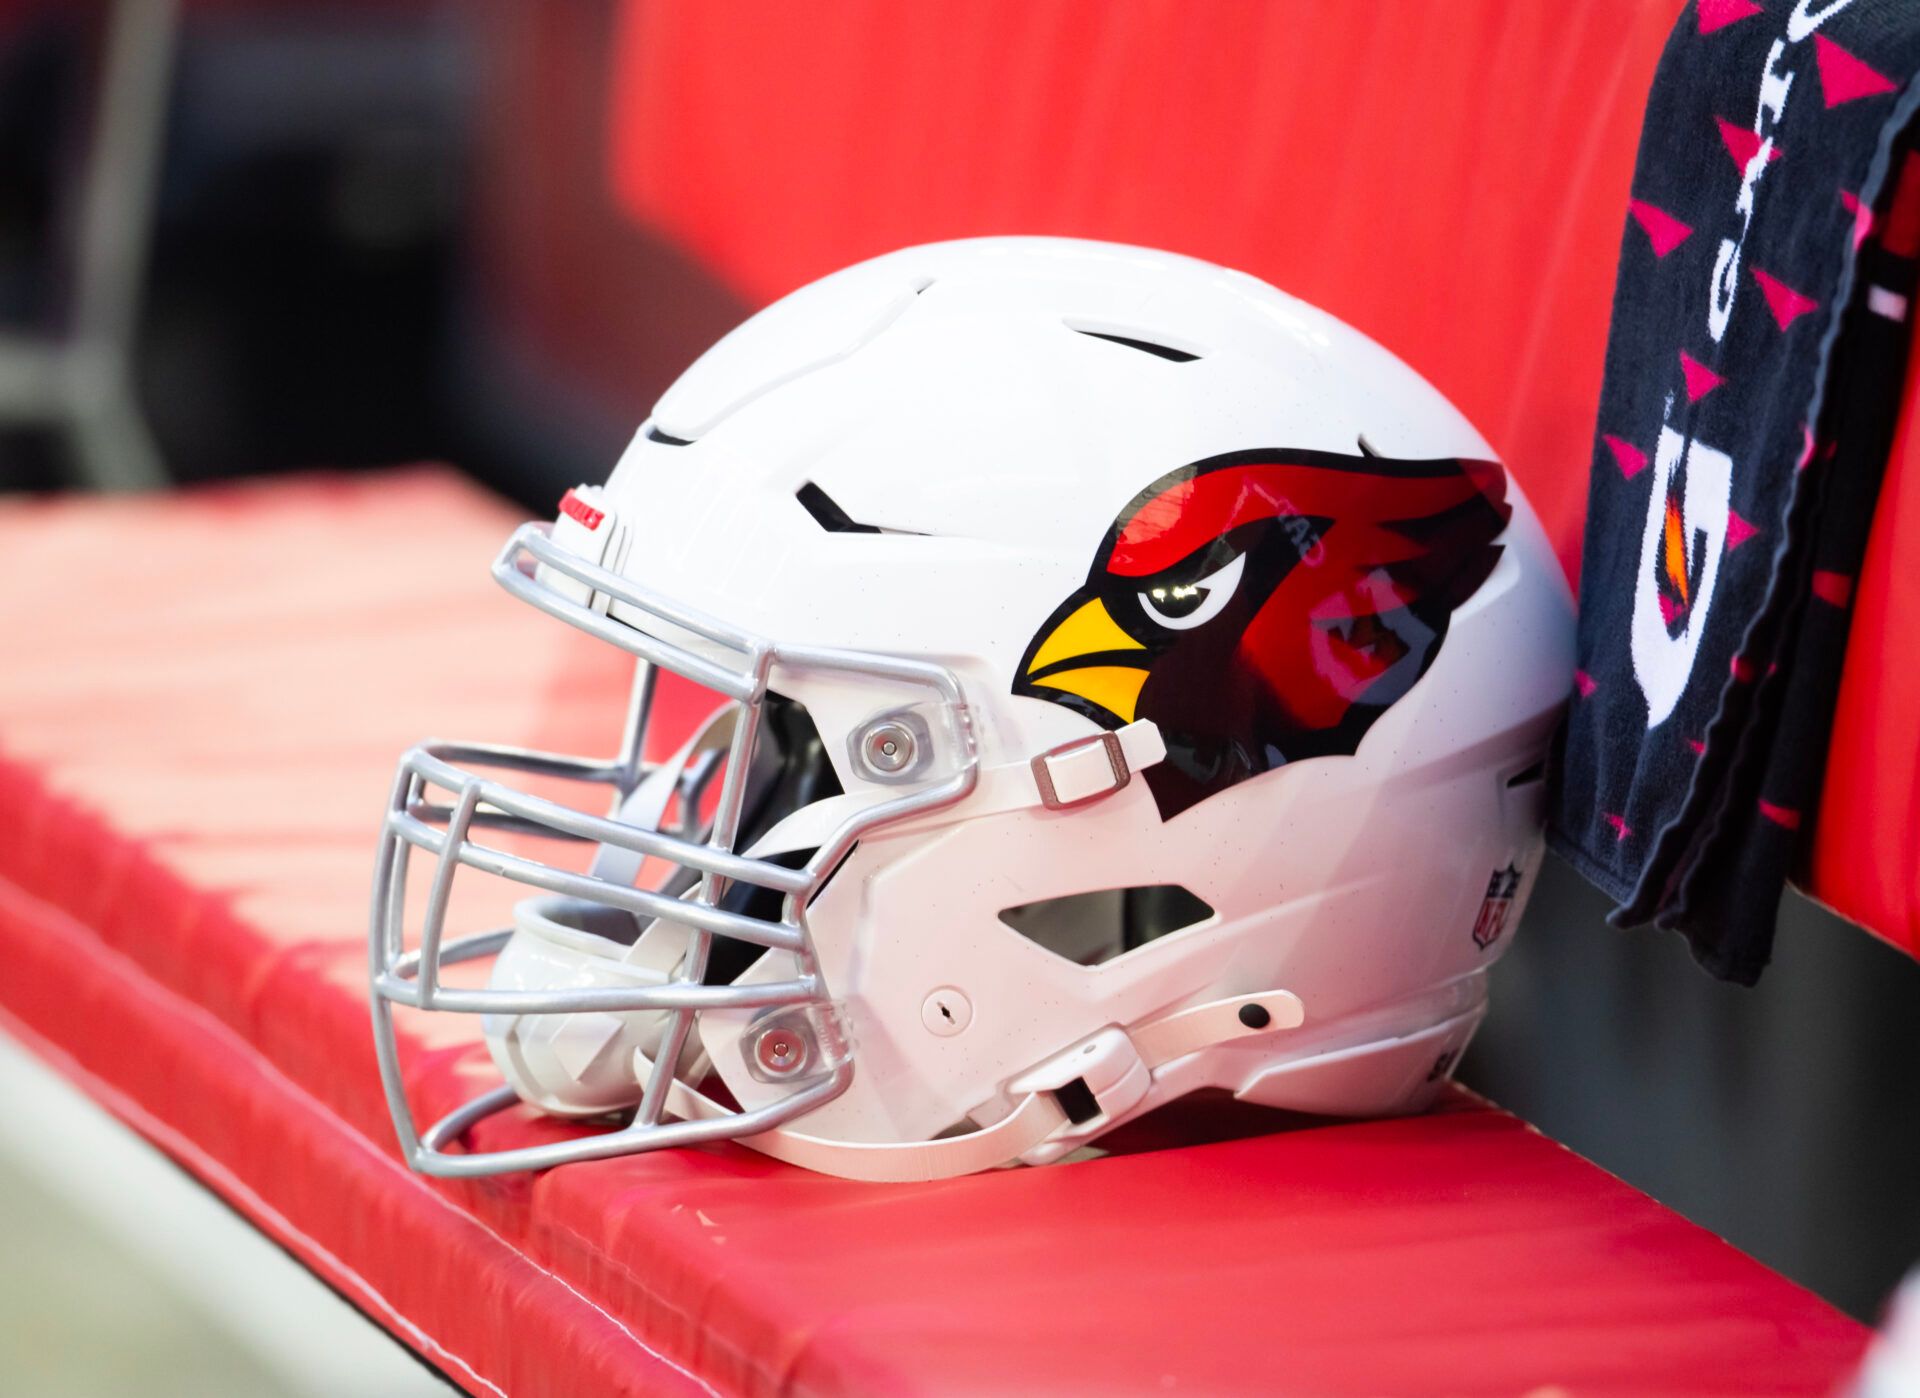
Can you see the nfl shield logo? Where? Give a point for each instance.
(1496, 906)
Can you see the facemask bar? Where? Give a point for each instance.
(446, 832)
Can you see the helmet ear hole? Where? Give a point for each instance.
(1094, 928)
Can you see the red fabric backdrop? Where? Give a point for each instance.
(1450, 179)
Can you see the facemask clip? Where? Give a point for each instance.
(794, 1044)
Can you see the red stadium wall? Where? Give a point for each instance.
(1450, 179)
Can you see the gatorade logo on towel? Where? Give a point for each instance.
(1680, 549)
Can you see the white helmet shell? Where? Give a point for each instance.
(1172, 670)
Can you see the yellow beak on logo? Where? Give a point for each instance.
(1089, 632)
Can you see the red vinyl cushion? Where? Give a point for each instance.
(1452, 180)
(203, 702)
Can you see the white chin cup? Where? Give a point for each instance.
(581, 1064)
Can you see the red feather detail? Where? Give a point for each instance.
(1191, 513)
(1401, 539)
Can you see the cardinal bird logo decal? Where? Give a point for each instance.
(1267, 606)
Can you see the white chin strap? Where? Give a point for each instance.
(1115, 1066)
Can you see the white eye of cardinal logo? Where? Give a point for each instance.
(1183, 606)
(1680, 549)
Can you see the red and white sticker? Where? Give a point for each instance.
(574, 507)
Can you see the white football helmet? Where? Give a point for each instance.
(1127, 680)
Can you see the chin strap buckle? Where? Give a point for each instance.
(1091, 769)
(1057, 1104)
(1100, 1078)
(1106, 1076)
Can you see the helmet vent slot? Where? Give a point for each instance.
(1526, 776)
(1094, 928)
(1152, 347)
(654, 434)
(829, 516)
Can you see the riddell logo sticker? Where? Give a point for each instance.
(1496, 907)
(574, 507)
(1685, 534)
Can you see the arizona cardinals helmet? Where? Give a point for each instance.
(1124, 680)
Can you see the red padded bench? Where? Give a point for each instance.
(201, 704)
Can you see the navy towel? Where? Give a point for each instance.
(1753, 379)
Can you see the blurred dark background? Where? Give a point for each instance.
(379, 232)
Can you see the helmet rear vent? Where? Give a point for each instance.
(1134, 342)
(654, 434)
(1092, 929)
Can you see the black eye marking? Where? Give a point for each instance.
(1182, 604)
(1178, 600)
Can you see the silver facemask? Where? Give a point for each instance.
(712, 899)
